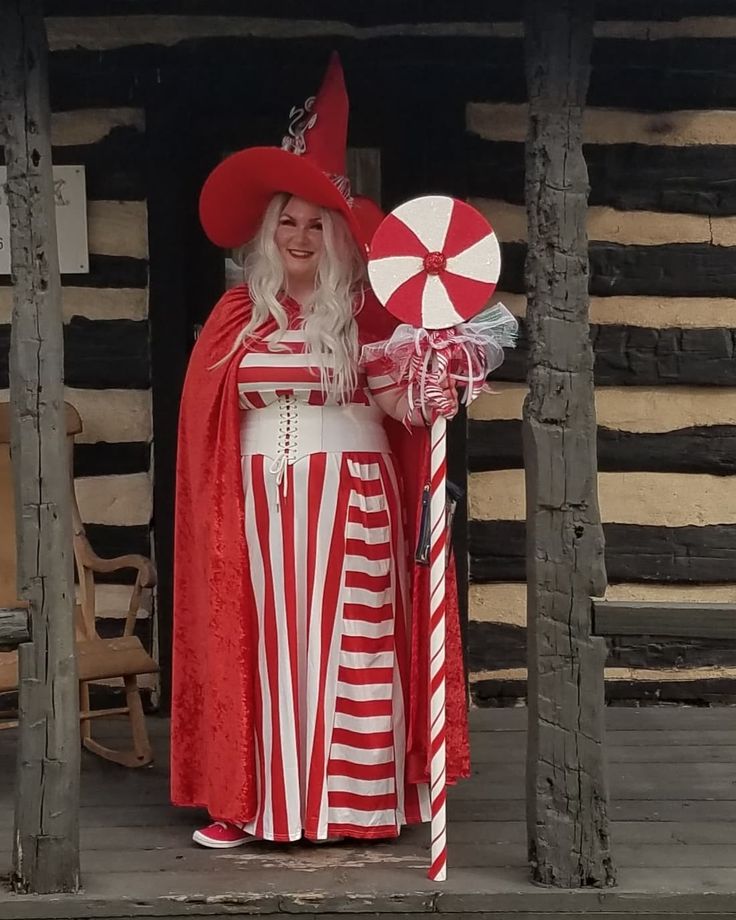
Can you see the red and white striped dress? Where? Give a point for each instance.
(328, 564)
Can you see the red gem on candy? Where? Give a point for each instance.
(434, 263)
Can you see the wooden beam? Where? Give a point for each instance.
(567, 793)
(616, 270)
(496, 445)
(632, 618)
(46, 839)
(99, 354)
(15, 627)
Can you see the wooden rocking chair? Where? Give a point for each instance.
(97, 658)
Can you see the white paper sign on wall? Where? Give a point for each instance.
(71, 220)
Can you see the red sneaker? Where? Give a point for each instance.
(221, 835)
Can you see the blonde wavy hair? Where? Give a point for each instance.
(330, 328)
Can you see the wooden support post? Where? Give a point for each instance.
(46, 845)
(567, 797)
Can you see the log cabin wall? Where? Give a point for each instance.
(659, 143)
(106, 343)
(439, 88)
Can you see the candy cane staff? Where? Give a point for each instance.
(434, 263)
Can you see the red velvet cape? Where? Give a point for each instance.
(212, 750)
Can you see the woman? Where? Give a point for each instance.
(298, 681)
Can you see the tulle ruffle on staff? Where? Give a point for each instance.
(426, 360)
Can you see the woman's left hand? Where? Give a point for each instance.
(441, 396)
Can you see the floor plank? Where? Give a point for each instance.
(673, 809)
(178, 855)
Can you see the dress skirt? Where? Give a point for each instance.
(329, 568)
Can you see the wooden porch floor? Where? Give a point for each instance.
(673, 783)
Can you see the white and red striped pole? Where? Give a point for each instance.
(434, 263)
(437, 733)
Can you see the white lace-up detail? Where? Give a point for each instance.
(290, 428)
(286, 441)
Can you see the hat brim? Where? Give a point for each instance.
(237, 192)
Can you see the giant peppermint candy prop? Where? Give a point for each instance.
(434, 262)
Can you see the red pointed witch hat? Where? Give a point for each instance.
(310, 164)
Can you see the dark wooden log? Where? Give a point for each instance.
(110, 540)
(99, 354)
(629, 177)
(684, 555)
(513, 266)
(699, 357)
(567, 793)
(107, 353)
(634, 552)
(686, 269)
(498, 692)
(111, 628)
(106, 272)
(629, 618)
(674, 270)
(497, 551)
(661, 10)
(495, 169)
(657, 652)
(703, 691)
(640, 177)
(713, 691)
(15, 627)
(496, 445)
(494, 646)
(113, 165)
(451, 64)
(661, 76)
(644, 356)
(46, 839)
(685, 73)
(112, 459)
(381, 12)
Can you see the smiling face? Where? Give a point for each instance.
(298, 238)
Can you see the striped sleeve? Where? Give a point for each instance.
(389, 392)
(380, 374)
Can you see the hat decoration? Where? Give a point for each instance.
(304, 119)
(310, 164)
(301, 120)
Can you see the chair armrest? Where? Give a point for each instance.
(90, 560)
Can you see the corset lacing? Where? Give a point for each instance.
(286, 440)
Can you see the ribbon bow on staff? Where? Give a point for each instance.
(435, 363)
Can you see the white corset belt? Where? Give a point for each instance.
(290, 429)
